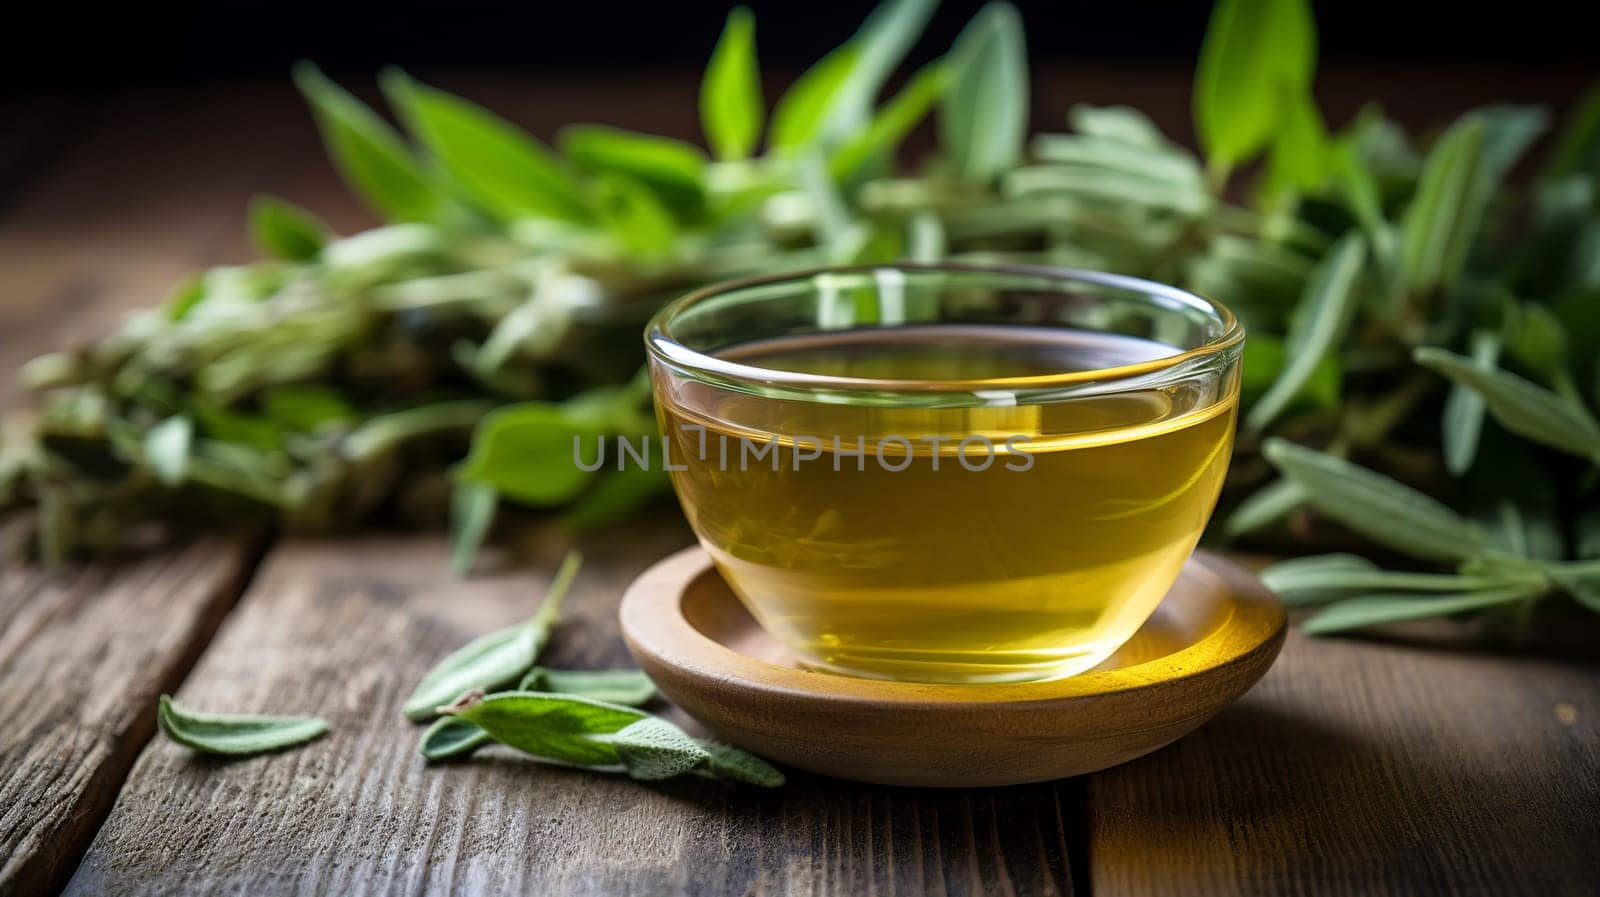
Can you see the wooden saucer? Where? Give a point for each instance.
(1214, 635)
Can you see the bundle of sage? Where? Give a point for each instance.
(1412, 306)
(584, 718)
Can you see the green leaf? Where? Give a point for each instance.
(1577, 149)
(1508, 133)
(984, 117)
(1255, 52)
(1326, 310)
(1529, 410)
(1265, 506)
(633, 214)
(834, 97)
(496, 659)
(561, 728)
(1462, 424)
(472, 507)
(502, 168)
(1122, 124)
(1304, 582)
(372, 158)
(306, 407)
(286, 231)
(893, 122)
(653, 749)
(1301, 155)
(1447, 210)
(730, 93)
(166, 449)
(1379, 508)
(617, 495)
(674, 170)
(630, 688)
(451, 737)
(1583, 587)
(530, 452)
(731, 764)
(235, 735)
(1370, 610)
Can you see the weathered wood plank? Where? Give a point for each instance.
(345, 628)
(83, 654)
(1367, 768)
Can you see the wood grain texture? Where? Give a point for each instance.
(1363, 768)
(344, 629)
(83, 654)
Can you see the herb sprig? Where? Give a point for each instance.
(1415, 311)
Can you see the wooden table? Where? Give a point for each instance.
(1357, 767)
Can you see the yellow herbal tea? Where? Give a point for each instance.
(949, 544)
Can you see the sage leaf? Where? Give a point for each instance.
(730, 93)
(1522, 407)
(891, 124)
(233, 734)
(1577, 149)
(1309, 581)
(616, 495)
(286, 231)
(984, 117)
(1370, 610)
(1446, 212)
(653, 749)
(673, 170)
(630, 688)
(530, 452)
(1254, 52)
(1123, 124)
(1462, 423)
(497, 659)
(472, 507)
(562, 728)
(1376, 506)
(732, 764)
(166, 449)
(798, 118)
(502, 168)
(1320, 322)
(1263, 507)
(372, 158)
(449, 737)
(1300, 157)
(633, 214)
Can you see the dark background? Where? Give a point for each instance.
(91, 47)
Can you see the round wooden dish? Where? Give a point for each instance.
(1213, 636)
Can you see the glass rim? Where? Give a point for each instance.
(662, 345)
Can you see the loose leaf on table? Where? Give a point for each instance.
(451, 737)
(1379, 508)
(497, 659)
(370, 155)
(605, 738)
(1329, 304)
(502, 168)
(630, 688)
(166, 449)
(984, 117)
(731, 107)
(1462, 424)
(286, 231)
(1370, 610)
(234, 734)
(1447, 210)
(1255, 53)
(1522, 407)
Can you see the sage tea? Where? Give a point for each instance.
(991, 541)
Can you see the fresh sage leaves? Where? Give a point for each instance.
(630, 688)
(984, 117)
(235, 735)
(494, 660)
(601, 737)
(731, 108)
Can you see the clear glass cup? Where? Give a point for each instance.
(947, 473)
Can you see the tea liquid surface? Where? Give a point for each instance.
(904, 562)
